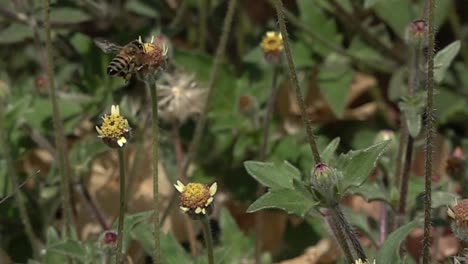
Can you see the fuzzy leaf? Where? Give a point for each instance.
(288, 200)
(443, 59)
(440, 198)
(357, 165)
(328, 153)
(371, 192)
(70, 248)
(173, 251)
(275, 176)
(388, 253)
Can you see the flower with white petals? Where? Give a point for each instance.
(196, 199)
(114, 130)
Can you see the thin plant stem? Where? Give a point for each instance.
(203, 7)
(383, 223)
(295, 83)
(123, 205)
(92, 205)
(348, 230)
(405, 179)
(339, 236)
(208, 238)
(220, 50)
(259, 216)
(401, 150)
(429, 132)
(155, 130)
(325, 43)
(351, 21)
(20, 200)
(58, 129)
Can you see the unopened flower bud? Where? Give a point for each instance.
(416, 32)
(114, 129)
(459, 215)
(324, 182)
(108, 240)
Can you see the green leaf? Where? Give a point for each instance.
(371, 191)
(288, 200)
(173, 251)
(401, 14)
(142, 9)
(234, 241)
(325, 27)
(328, 153)
(275, 176)
(143, 233)
(334, 80)
(388, 253)
(371, 3)
(441, 198)
(398, 85)
(70, 248)
(443, 59)
(15, 33)
(357, 165)
(69, 15)
(413, 107)
(301, 55)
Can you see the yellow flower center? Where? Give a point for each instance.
(272, 42)
(114, 126)
(195, 195)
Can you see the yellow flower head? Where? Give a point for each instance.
(154, 56)
(114, 129)
(196, 198)
(272, 42)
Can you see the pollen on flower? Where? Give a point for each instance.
(154, 56)
(196, 198)
(114, 129)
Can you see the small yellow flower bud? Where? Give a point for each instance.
(272, 46)
(114, 130)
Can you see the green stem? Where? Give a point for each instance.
(211, 85)
(16, 187)
(295, 83)
(208, 238)
(340, 237)
(203, 8)
(429, 133)
(269, 114)
(123, 205)
(58, 125)
(155, 126)
(343, 223)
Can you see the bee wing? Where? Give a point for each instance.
(107, 46)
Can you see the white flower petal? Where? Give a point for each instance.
(204, 211)
(213, 188)
(198, 210)
(121, 141)
(209, 201)
(179, 186)
(98, 130)
(185, 209)
(115, 110)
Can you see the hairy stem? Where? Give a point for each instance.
(340, 237)
(429, 132)
(155, 130)
(58, 128)
(348, 230)
(208, 238)
(293, 76)
(122, 208)
(20, 200)
(405, 179)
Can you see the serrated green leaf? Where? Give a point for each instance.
(357, 165)
(275, 176)
(328, 153)
(389, 252)
(143, 233)
(443, 59)
(288, 200)
(398, 85)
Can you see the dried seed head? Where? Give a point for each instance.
(459, 215)
(114, 130)
(272, 46)
(196, 198)
(246, 104)
(179, 97)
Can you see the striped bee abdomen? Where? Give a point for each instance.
(118, 64)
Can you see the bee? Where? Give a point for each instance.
(125, 63)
